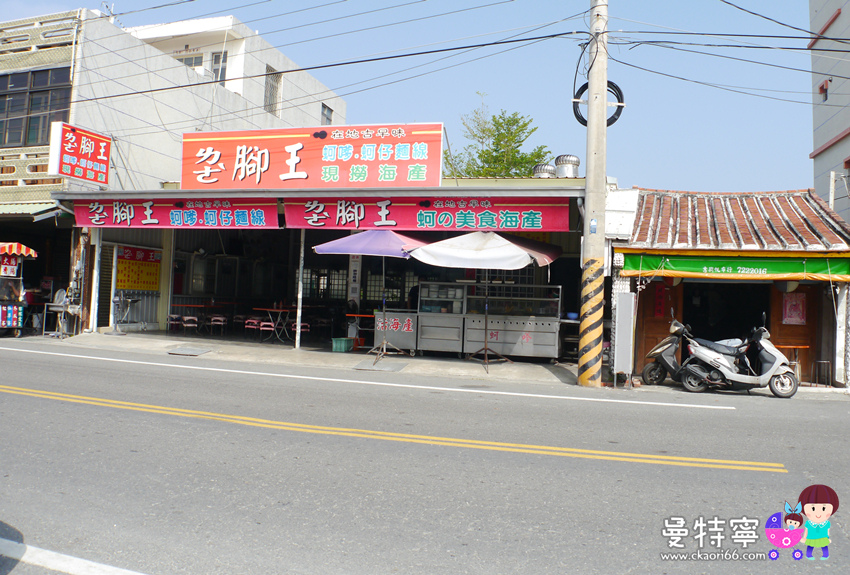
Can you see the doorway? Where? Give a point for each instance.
(717, 311)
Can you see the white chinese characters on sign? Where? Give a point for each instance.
(211, 157)
(347, 212)
(250, 162)
(293, 161)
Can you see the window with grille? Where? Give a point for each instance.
(272, 98)
(327, 115)
(219, 67)
(325, 284)
(29, 102)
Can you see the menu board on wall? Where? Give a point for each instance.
(137, 268)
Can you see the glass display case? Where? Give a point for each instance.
(514, 300)
(441, 308)
(436, 297)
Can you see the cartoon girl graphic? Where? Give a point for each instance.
(819, 503)
(793, 519)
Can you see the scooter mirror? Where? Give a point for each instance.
(763, 319)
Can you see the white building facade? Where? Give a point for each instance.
(143, 87)
(831, 96)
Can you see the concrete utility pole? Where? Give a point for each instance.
(593, 257)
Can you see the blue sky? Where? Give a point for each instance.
(679, 131)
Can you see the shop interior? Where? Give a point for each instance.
(720, 310)
(238, 274)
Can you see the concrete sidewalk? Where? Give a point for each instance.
(525, 370)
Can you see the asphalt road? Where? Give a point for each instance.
(159, 464)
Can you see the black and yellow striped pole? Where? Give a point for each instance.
(593, 248)
(590, 328)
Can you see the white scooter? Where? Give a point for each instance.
(752, 363)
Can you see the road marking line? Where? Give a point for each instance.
(57, 561)
(404, 437)
(373, 383)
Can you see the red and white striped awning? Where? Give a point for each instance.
(16, 249)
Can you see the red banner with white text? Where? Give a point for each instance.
(373, 156)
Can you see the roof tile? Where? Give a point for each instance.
(796, 220)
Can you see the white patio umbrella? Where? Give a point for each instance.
(486, 250)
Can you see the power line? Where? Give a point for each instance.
(346, 63)
(725, 57)
(342, 33)
(709, 84)
(729, 35)
(177, 3)
(769, 19)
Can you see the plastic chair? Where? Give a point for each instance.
(293, 327)
(252, 324)
(218, 320)
(173, 321)
(58, 307)
(267, 326)
(190, 322)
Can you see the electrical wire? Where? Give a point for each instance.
(177, 3)
(725, 57)
(709, 84)
(351, 62)
(361, 13)
(769, 19)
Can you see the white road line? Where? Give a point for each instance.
(374, 383)
(57, 561)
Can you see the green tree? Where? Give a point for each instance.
(496, 145)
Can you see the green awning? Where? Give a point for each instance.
(737, 268)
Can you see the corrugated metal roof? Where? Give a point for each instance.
(795, 220)
(24, 208)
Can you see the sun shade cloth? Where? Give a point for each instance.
(16, 249)
(371, 243)
(486, 250)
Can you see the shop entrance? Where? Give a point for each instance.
(718, 311)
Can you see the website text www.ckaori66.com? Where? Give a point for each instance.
(725, 555)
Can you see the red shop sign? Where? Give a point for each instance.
(210, 214)
(78, 153)
(429, 213)
(373, 156)
(9, 265)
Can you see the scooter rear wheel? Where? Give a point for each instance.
(783, 385)
(693, 383)
(653, 373)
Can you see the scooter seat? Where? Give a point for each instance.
(719, 348)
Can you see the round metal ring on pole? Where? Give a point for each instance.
(614, 89)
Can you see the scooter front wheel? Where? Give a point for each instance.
(693, 383)
(653, 373)
(783, 385)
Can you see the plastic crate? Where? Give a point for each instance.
(342, 344)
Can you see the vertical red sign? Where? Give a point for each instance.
(78, 153)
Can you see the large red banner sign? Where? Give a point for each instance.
(198, 214)
(374, 156)
(429, 213)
